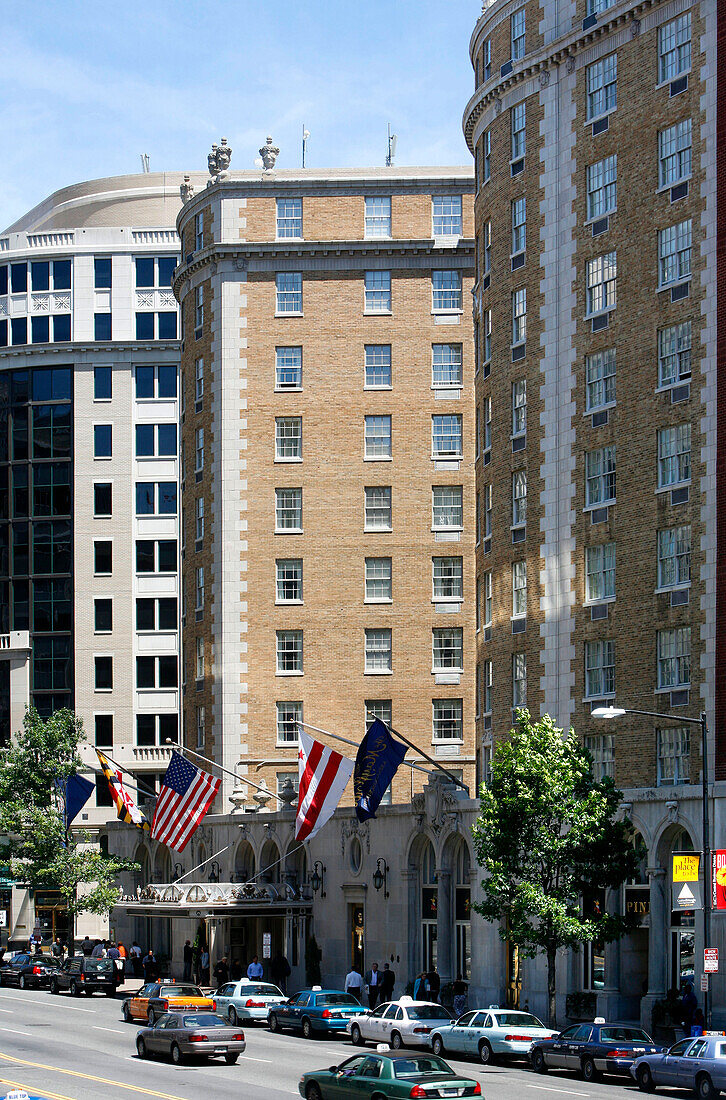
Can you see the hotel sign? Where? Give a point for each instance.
(637, 901)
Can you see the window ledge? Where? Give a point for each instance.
(589, 120)
(447, 741)
(106, 574)
(289, 313)
(378, 672)
(289, 237)
(447, 457)
(288, 460)
(98, 633)
(600, 695)
(289, 672)
(288, 389)
(378, 313)
(288, 530)
(602, 312)
(378, 600)
(676, 183)
(378, 458)
(666, 387)
(443, 386)
(459, 671)
(102, 458)
(377, 530)
(448, 599)
(288, 603)
(600, 408)
(447, 312)
(452, 528)
(600, 504)
(372, 389)
(103, 691)
(670, 79)
(598, 217)
(674, 283)
(598, 603)
(518, 527)
(672, 687)
(684, 587)
(286, 745)
(671, 486)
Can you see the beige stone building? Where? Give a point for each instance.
(328, 465)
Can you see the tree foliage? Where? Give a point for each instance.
(41, 756)
(546, 837)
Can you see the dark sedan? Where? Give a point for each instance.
(373, 1076)
(31, 971)
(184, 1034)
(593, 1049)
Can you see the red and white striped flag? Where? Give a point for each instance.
(185, 796)
(324, 775)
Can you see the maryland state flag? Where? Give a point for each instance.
(126, 808)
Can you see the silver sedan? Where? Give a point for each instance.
(698, 1064)
(184, 1034)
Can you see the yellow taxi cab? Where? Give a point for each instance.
(156, 998)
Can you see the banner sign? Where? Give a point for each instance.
(718, 879)
(687, 892)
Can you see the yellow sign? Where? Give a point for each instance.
(685, 867)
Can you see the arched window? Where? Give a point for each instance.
(270, 862)
(429, 908)
(244, 862)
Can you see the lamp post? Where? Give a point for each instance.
(619, 712)
(380, 876)
(317, 878)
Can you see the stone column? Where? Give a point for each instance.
(608, 999)
(412, 931)
(444, 925)
(657, 944)
(212, 930)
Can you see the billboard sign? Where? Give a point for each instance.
(687, 892)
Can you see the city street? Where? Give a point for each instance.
(82, 1050)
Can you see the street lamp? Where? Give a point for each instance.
(619, 712)
(317, 878)
(380, 876)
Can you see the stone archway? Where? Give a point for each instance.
(244, 862)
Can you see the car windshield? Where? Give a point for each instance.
(336, 999)
(204, 1019)
(420, 1066)
(260, 991)
(428, 1012)
(518, 1019)
(98, 966)
(180, 991)
(624, 1035)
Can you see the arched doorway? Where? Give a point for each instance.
(429, 908)
(270, 868)
(244, 862)
(462, 910)
(682, 930)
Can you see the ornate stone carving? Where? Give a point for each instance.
(219, 159)
(571, 64)
(269, 154)
(497, 105)
(351, 828)
(186, 190)
(544, 78)
(241, 263)
(635, 27)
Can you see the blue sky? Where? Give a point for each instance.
(88, 85)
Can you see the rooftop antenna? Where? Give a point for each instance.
(392, 142)
(144, 162)
(305, 136)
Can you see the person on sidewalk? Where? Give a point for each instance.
(204, 966)
(87, 946)
(388, 981)
(221, 972)
(280, 971)
(254, 970)
(354, 983)
(373, 985)
(150, 967)
(188, 956)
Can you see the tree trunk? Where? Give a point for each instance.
(552, 985)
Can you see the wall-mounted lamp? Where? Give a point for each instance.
(380, 876)
(178, 870)
(214, 872)
(317, 878)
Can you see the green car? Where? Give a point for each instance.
(386, 1076)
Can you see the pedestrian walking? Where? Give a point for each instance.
(135, 952)
(388, 981)
(373, 982)
(235, 970)
(221, 972)
(188, 957)
(87, 946)
(150, 967)
(254, 970)
(280, 971)
(434, 984)
(460, 989)
(419, 986)
(99, 950)
(354, 983)
(57, 948)
(204, 966)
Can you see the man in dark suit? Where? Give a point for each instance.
(388, 981)
(373, 984)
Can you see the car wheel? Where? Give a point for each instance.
(21, 982)
(396, 1040)
(110, 992)
(355, 1036)
(126, 1013)
(485, 1053)
(538, 1062)
(437, 1045)
(645, 1079)
(176, 1054)
(53, 986)
(74, 990)
(151, 1017)
(231, 1059)
(272, 1023)
(588, 1070)
(140, 1047)
(704, 1088)
(232, 1015)
(312, 1092)
(307, 1029)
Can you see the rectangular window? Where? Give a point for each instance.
(595, 7)
(102, 440)
(199, 379)
(519, 590)
(289, 218)
(486, 59)
(288, 438)
(288, 580)
(599, 669)
(156, 556)
(102, 498)
(378, 508)
(486, 336)
(448, 649)
(674, 455)
(486, 686)
(288, 510)
(288, 368)
(674, 658)
(674, 756)
(674, 47)
(156, 614)
(674, 354)
(155, 440)
(40, 330)
(519, 498)
(102, 557)
(446, 214)
(446, 369)
(446, 437)
(448, 719)
(674, 253)
(377, 436)
(517, 34)
(519, 407)
(602, 85)
(288, 716)
(103, 670)
(103, 731)
(486, 160)
(485, 599)
(156, 498)
(199, 588)
(199, 663)
(378, 580)
(377, 216)
(600, 476)
(600, 572)
(602, 187)
(200, 716)
(155, 383)
(101, 326)
(155, 729)
(103, 616)
(600, 379)
(289, 651)
(446, 287)
(378, 366)
(448, 578)
(102, 383)
(199, 519)
(102, 272)
(674, 153)
(377, 291)
(198, 232)
(600, 747)
(674, 556)
(198, 310)
(518, 122)
(519, 316)
(381, 709)
(519, 226)
(519, 680)
(288, 287)
(448, 507)
(602, 279)
(378, 650)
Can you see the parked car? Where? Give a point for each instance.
(366, 1075)
(314, 1010)
(181, 1034)
(404, 1022)
(247, 1000)
(24, 970)
(156, 998)
(490, 1033)
(593, 1049)
(698, 1064)
(83, 975)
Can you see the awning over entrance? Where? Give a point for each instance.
(217, 899)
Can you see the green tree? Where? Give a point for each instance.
(41, 756)
(547, 836)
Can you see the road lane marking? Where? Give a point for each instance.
(21, 1085)
(268, 1060)
(42, 1004)
(14, 1031)
(549, 1088)
(90, 1077)
(115, 1030)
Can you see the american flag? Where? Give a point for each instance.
(185, 796)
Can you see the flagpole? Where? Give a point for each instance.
(239, 778)
(337, 737)
(425, 755)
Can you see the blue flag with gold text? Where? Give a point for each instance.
(379, 758)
